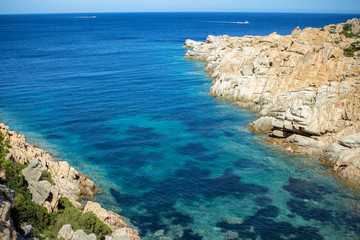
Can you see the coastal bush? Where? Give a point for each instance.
(333, 27)
(349, 51)
(88, 222)
(47, 176)
(347, 27)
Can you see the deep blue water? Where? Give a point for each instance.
(113, 96)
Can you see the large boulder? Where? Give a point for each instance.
(81, 235)
(66, 232)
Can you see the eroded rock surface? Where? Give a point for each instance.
(7, 229)
(303, 86)
(345, 156)
(67, 181)
(113, 220)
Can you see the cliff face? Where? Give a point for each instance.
(303, 86)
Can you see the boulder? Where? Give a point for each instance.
(66, 232)
(81, 235)
(332, 153)
(352, 141)
(263, 124)
(26, 229)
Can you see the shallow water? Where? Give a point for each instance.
(114, 96)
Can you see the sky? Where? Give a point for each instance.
(89, 6)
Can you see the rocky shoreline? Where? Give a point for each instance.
(66, 182)
(305, 86)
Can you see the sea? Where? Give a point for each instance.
(112, 94)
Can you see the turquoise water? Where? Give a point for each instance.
(113, 96)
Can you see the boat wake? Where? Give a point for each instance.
(246, 22)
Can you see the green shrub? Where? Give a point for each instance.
(347, 27)
(333, 27)
(88, 222)
(349, 51)
(47, 176)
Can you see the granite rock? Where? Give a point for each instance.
(304, 88)
(7, 229)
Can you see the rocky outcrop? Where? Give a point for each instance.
(303, 86)
(7, 229)
(116, 223)
(66, 182)
(42, 191)
(344, 155)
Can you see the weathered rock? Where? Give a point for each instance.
(302, 81)
(26, 229)
(116, 223)
(81, 235)
(345, 156)
(70, 183)
(7, 229)
(352, 141)
(42, 191)
(263, 124)
(66, 232)
(119, 236)
(332, 153)
(233, 220)
(67, 182)
(348, 165)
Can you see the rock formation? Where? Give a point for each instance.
(7, 229)
(113, 220)
(345, 156)
(303, 86)
(67, 182)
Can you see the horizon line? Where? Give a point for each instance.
(34, 13)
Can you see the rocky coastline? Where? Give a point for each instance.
(305, 86)
(66, 182)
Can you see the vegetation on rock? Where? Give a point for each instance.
(44, 224)
(354, 47)
(47, 176)
(348, 31)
